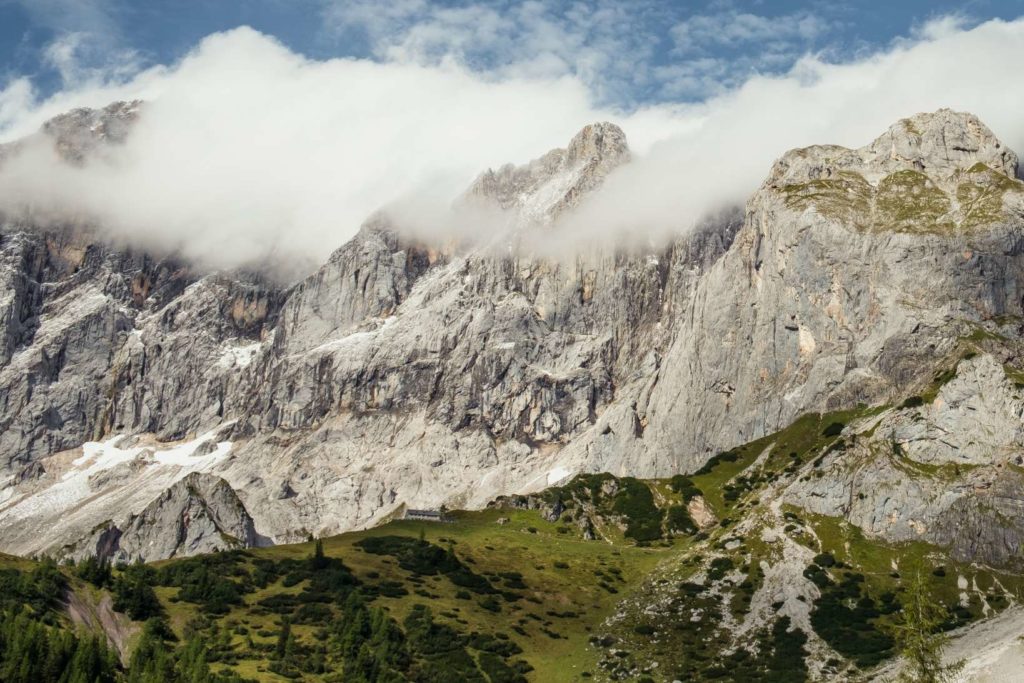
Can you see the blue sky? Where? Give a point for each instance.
(628, 52)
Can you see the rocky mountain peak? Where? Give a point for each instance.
(942, 172)
(81, 130)
(942, 143)
(542, 189)
(600, 143)
(200, 513)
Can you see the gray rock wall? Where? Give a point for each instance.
(404, 372)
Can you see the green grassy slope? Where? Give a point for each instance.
(559, 598)
(519, 596)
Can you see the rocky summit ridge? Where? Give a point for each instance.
(942, 171)
(404, 373)
(940, 145)
(543, 189)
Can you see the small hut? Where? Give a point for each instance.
(425, 515)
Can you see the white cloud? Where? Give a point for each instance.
(606, 44)
(85, 46)
(72, 16)
(724, 158)
(941, 27)
(730, 27)
(15, 100)
(80, 58)
(617, 49)
(248, 150)
(717, 51)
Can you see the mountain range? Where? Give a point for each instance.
(838, 360)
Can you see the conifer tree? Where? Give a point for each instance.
(282, 639)
(918, 635)
(319, 559)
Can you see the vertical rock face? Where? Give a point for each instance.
(944, 468)
(365, 279)
(66, 313)
(404, 372)
(832, 296)
(97, 340)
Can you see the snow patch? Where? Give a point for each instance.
(354, 337)
(103, 454)
(347, 340)
(185, 454)
(238, 356)
(558, 474)
(73, 486)
(536, 207)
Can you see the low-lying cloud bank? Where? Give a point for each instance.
(247, 151)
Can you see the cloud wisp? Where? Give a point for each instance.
(607, 45)
(733, 139)
(248, 152)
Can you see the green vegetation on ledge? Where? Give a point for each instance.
(906, 201)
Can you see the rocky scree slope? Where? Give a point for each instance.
(404, 372)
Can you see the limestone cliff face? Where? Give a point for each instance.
(97, 341)
(466, 373)
(840, 288)
(404, 372)
(944, 468)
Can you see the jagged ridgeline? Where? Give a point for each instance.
(811, 408)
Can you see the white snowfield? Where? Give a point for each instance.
(238, 356)
(111, 479)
